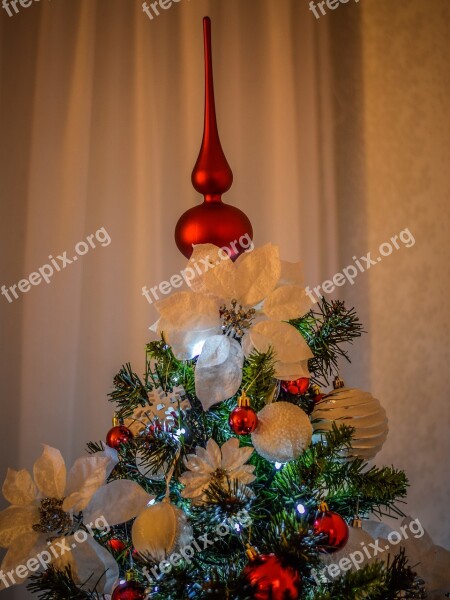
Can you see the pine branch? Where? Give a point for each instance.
(291, 539)
(320, 473)
(129, 392)
(94, 447)
(325, 330)
(258, 377)
(59, 585)
(376, 581)
(401, 581)
(359, 585)
(168, 370)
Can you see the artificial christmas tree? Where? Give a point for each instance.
(232, 476)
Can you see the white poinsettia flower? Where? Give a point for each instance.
(50, 511)
(215, 465)
(249, 301)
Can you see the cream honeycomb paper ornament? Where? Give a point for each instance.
(357, 409)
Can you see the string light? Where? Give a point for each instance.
(301, 509)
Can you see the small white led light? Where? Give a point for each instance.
(300, 508)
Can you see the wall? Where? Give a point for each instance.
(391, 90)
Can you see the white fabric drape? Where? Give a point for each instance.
(100, 126)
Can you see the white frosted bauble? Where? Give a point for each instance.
(357, 409)
(159, 530)
(144, 469)
(358, 539)
(283, 432)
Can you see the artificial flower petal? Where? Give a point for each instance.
(233, 456)
(288, 344)
(196, 463)
(291, 273)
(213, 454)
(218, 374)
(194, 487)
(93, 566)
(244, 474)
(25, 546)
(257, 274)
(117, 502)
(287, 302)
(189, 344)
(112, 455)
(190, 477)
(50, 473)
(432, 561)
(291, 371)
(19, 488)
(84, 479)
(253, 339)
(188, 311)
(15, 521)
(217, 271)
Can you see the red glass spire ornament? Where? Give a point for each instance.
(213, 221)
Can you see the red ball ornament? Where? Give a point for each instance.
(296, 387)
(213, 221)
(129, 590)
(118, 435)
(334, 528)
(243, 420)
(116, 545)
(271, 581)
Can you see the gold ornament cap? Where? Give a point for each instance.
(356, 523)
(338, 383)
(244, 400)
(251, 552)
(315, 389)
(323, 507)
(116, 421)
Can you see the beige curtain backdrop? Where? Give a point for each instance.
(337, 133)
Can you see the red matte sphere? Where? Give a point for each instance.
(271, 581)
(118, 435)
(116, 545)
(217, 223)
(297, 387)
(130, 590)
(335, 530)
(243, 420)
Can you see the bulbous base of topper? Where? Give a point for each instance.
(214, 222)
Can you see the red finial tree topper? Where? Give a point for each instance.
(213, 221)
